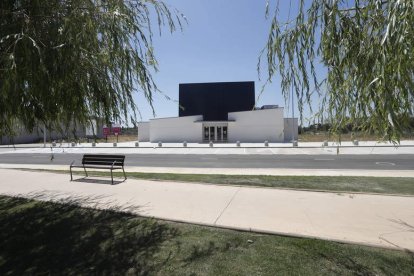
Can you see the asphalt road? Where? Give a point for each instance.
(356, 162)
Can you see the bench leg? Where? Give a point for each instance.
(125, 178)
(86, 173)
(112, 178)
(70, 168)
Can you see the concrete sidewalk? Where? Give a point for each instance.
(311, 148)
(385, 221)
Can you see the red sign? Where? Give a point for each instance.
(106, 131)
(116, 129)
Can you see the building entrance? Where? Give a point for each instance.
(215, 132)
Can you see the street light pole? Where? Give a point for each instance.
(293, 116)
(44, 135)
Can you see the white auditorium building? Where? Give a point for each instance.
(220, 112)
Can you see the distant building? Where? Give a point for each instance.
(220, 112)
(23, 136)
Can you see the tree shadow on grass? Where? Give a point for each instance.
(205, 250)
(53, 238)
(350, 258)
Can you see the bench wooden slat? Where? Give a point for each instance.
(103, 159)
(104, 156)
(96, 167)
(103, 163)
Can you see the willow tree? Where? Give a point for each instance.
(68, 61)
(366, 50)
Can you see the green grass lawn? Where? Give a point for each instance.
(382, 185)
(55, 239)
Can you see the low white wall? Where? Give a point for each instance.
(289, 127)
(256, 126)
(36, 135)
(176, 129)
(143, 131)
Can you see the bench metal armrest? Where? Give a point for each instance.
(112, 166)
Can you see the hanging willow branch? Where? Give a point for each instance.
(68, 61)
(367, 49)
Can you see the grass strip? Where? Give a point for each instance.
(61, 238)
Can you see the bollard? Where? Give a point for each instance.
(185, 144)
(73, 144)
(238, 143)
(211, 144)
(325, 143)
(93, 144)
(266, 143)
(114, 144)
(356, 142)
(295, 143)
(136, 144)
(160, 144)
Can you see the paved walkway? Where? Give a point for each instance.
(386, 221)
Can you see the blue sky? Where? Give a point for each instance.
(221, 42)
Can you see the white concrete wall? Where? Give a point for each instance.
(143, 131)
(94, 129)
(176, 129)
(256, 126)
(288, 129)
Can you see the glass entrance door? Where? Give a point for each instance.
(215, 133)
(225, 133)
(206, 134)
(212, 133)
(219, 134)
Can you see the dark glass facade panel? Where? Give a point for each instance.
(215, 100)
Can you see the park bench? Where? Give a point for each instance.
(100, 161)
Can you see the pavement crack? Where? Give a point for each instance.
(228, 204)
(381, 237)
(309, 219)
